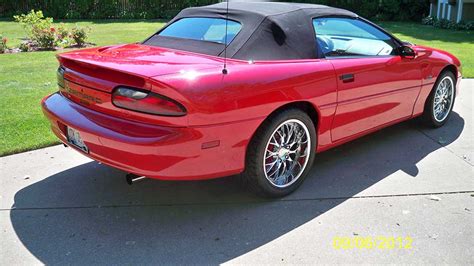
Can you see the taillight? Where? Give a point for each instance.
(146, 102)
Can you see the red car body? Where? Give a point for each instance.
(224, 111)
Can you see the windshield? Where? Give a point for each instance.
(203, 29)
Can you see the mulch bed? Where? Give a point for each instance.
(33, 47)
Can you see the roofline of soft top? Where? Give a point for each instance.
(299, 7)
(261, 24)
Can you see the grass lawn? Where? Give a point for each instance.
(25, 78)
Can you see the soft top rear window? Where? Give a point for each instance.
(203, 29)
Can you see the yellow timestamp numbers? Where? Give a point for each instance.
(372, 242)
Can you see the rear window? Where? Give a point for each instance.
(203, 29)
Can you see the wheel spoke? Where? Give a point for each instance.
(293, 151)
(291, 132)
(274, 142)
(283, 169)
(270, 165)
(278, 165)
(270, 154)
(304, 154)
(282, 137)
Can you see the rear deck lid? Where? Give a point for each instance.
(131, 65)
(88, 77)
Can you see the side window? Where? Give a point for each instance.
(203, 29)
(345, 37)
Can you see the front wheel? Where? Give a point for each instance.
(440, 102)
(280, 154)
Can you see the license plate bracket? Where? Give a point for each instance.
(74, 138)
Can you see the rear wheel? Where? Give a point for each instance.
(280, 154)
(440, 102)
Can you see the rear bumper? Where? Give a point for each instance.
(170, 153)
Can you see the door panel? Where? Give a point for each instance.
(381, 90)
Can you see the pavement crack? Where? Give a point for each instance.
(231, 203)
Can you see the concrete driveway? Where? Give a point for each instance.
(57, 207)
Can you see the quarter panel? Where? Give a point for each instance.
(255, 90)
(432, 62)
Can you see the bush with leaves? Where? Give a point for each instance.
(45, 35)
(464, 25)
(25, 46)
(80, 35)
(3, 44)
(447, 24)
(429, 20)
(33, 22)
(45, 38)
(39, 29)
(63, 36)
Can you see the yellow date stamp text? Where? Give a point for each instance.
(372, 242)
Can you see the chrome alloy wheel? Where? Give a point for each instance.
(287, 153)
(443, 99)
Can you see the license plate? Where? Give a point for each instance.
(74, 138)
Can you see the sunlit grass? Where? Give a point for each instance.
(25, 78)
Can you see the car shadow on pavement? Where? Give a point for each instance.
(88, 214)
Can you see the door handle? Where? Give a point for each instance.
(347, 78)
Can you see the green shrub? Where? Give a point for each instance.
(464, 25)
(441, 23)
(3, 44)
(63, 36)
(45, 38)
(33, 22)
(62, 32)
(38, 28)
(80, 35)
(25, 46)
(447, 24)
(45, 35)
(429, 20)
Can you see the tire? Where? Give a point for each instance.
(430, 117)
(291, 161)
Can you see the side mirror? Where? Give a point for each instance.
(407, 52)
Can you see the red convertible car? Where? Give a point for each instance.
(251, 88)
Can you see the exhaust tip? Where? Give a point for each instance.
(132, 178)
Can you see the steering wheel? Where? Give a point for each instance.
(326, 44)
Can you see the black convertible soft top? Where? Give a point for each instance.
(270, 31)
